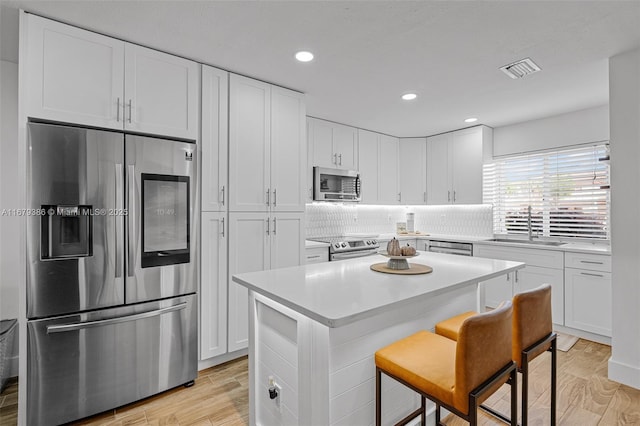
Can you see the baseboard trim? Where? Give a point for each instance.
(583, 334)
(624, 373)
(212, 362)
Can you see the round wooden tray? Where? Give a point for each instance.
(414, 269)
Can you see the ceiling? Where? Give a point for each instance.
(368, 53)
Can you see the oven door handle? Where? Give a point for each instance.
(352, 255)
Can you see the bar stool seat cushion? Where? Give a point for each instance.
(425, 361)
(450, 327)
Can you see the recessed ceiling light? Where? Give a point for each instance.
(471, 120)
(409, 96)
(304, 56)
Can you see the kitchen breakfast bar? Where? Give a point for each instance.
(313, 331)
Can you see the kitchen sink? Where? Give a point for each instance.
(534, 242)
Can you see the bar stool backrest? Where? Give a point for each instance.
(484, 347)
(531, 319)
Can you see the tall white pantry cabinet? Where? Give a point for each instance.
(267, 181)
(214, 217)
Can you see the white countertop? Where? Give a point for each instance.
(338, 293)
(579, 247)
(582, 247)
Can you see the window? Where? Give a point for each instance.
(568, 191)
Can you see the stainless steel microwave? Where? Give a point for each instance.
(335, 185)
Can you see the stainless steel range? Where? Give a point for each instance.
(343, 247)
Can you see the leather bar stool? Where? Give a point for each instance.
(532, 335)
(458, 376)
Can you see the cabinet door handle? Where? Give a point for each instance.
(591, 275)
(274, 226)
(223, 227)
(222, 195)
(130, 110)
(274, 197)
(448, 196)
(516, 276)
(118, 110)
(591, 262)
(340, 159)
(399, 197)
(454, 200)
(317, 256)
(508, 277)
(424, 196)
(267, 226)
(268, 196)
(335, 159)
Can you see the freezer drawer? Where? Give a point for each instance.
(80, 365)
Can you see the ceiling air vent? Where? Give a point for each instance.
(520, 68)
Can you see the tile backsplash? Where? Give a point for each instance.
(327, 219)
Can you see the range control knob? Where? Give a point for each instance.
(337, 245)
(344, 244)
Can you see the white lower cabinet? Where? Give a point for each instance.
(258, 242)
(213, 285)
(316, 255)
(588, 304)
(543, 267)
(531, 277)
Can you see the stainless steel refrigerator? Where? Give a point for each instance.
(112, 257)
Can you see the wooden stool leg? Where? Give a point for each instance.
(378, 398)
(423, 416)
(514, 398)
(553, 381)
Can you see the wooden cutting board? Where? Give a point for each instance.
(414, 269)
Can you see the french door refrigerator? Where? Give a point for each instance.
(112, 270)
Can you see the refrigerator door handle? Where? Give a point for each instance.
(131, 231)
(109, 321)
(119, 218)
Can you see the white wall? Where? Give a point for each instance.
(9, 226)
(584, 126)
(624, 98)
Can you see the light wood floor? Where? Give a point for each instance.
(220, 396)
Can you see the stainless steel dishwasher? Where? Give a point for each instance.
(448, 247)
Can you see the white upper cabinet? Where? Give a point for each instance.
(249, 144)
(378, 167)
(288, 150)
(215, 134)
(388, 187)
(161, 93)
(454, 166)
(438, 170)
(368, 166)
(266, 147)
(73, 75)
(81, 77)
(413, 170)
(332, 145)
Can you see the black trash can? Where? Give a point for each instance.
(7, 329)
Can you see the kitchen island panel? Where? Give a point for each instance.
(333, 382)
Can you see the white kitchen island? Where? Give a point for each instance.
(314, 329)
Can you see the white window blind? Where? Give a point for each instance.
(568, 191)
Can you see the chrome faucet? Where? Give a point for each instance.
(529, 230)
